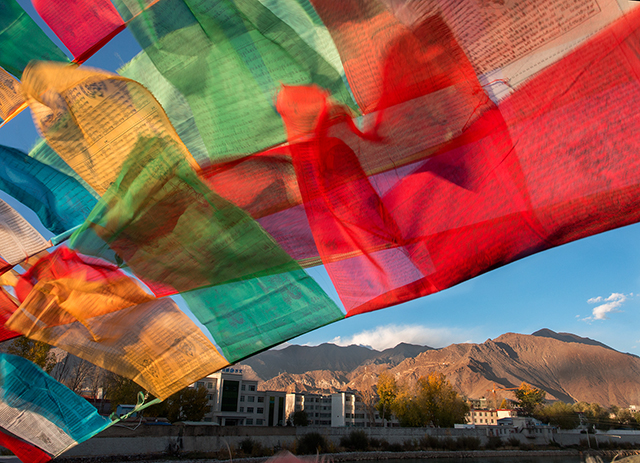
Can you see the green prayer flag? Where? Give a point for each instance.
(249, 316)
(21, 40)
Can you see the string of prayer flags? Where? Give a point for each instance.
(41, 411)
(21, 40)
(155, 213)
(93, 310)
(228, 60)
(84, 27)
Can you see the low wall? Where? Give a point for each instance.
(149, 440)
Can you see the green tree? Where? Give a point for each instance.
(34, 351)
(529, 398)
(121, 391)
(188, 404)
(387, 391)
(431, 401)
(559, 414)
(300, 418)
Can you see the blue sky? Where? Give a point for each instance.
(590, 288)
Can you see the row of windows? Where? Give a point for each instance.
(251, 398)
(249, 421)
(259, 410)
(252, 387)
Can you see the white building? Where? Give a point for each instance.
(235, 400)
(342, 409)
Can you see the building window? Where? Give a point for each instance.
(251, 398)
(199, 384)
(209, 385)
(252, 387)
(241, 398)
(260, 410)
(260, 399)
(241, 409)
(242, 388)
(249, 421)
(249, 409)
(229, 402)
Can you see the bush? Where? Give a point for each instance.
(395, 447)
(356, 440)
(513, 441)
(378, 444)
(429, 443)
(311, 443)
(468, 443)
(409, 445)
(493, 442)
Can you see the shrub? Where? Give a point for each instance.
(247, 445)
(409, 445)
(493, 442)
(395, 447)
(311, 443)
(356, 440)
(378, 444)
(468, 443)
(429, 442)
(449, 444)
(513, 441)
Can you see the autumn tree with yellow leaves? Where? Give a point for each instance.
(429, 401)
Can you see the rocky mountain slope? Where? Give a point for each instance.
(566, 366)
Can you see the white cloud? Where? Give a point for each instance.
(611, 304)
(386, 336)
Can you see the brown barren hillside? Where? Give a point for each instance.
(567, 367)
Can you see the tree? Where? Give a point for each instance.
(300, 418)
(430, 401)
(188, 404)
(120, 390)
(559, 414)
(34, 351)
(387, 391)
(529, 398)
(504, 405)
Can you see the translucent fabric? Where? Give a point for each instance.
(21, 40)
(74, 287)
(40, 410)
(142, 70)
(247, 317)
(83, 26)
(60, 201)
(533, 172)
(7, 307)
(155, 344)
(18, 238)
(228, 60)
(96, 312)
(91, 118)
(10, 95)
(25, 452)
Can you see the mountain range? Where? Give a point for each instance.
(568, 367)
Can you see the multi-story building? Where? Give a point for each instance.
(335, 410)
(235, 400)
(487, 416)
